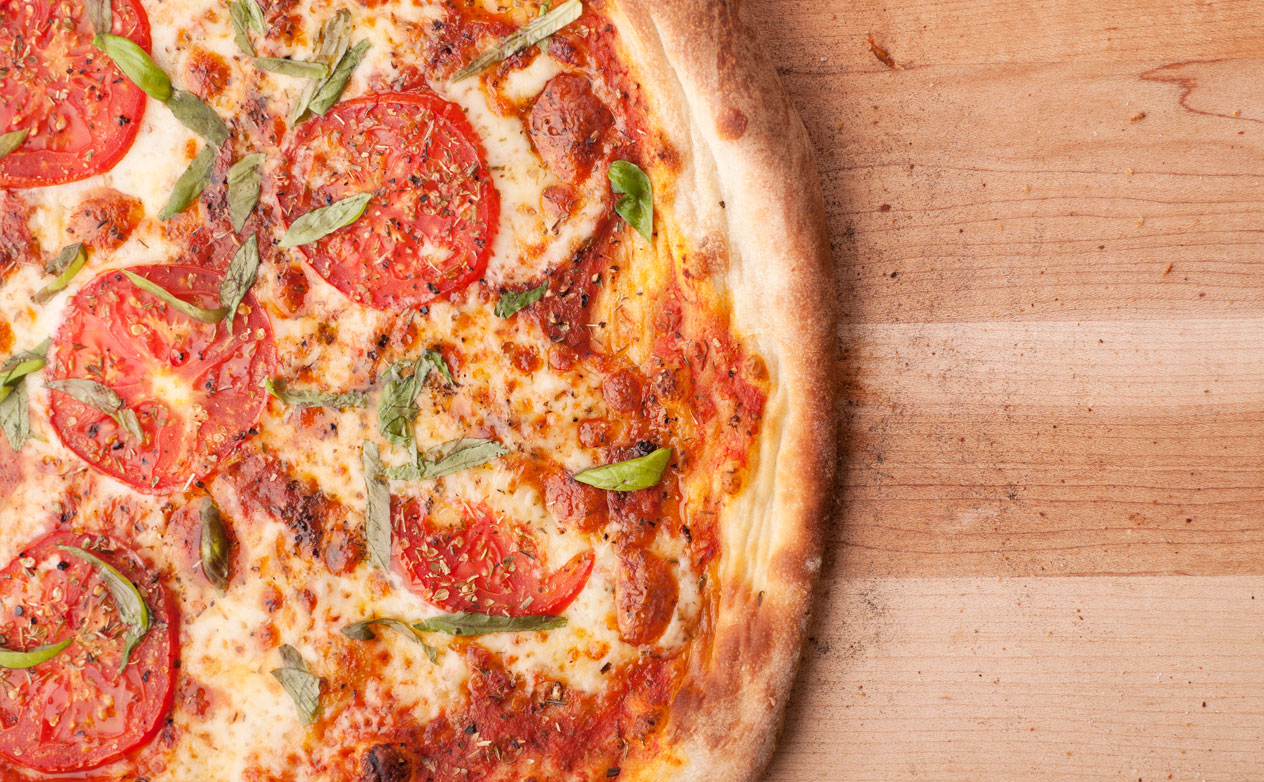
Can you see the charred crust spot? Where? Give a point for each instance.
(385, 763)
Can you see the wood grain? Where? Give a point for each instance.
(1047, 234)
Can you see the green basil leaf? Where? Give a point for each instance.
(245, 180)
(544, 9)
(214, 547)
(279, 388)
(240, 14)
(361, 631)
(335, 37)
(299, 69)
(377, 510)
(102, 399)
(396, 410)
(15, 414)
(330, 90)
(190, 184)
(198, 117)
(29, 659)
(193, 311)
(254, 16)
(481, 624)
(451, 457)
(531, 33)
(639, 473)
(136, 65)
(68, 263)
(514, 301)
(242, 273)
(319, 223)
(101, 14)
(12, 140)
(19, 365)
(636, 206)
(301, 684)
(433, 359)
(127, 598)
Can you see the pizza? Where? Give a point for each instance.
(403, 390)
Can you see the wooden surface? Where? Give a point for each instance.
(1048, 230)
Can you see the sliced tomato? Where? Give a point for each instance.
(78, 710)
(80, 113)
(195, 389)
(486, 566)
(428, 230)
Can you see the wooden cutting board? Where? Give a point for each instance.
(1047, 560)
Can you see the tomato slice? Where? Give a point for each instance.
(78, 711)
(195, 389)
(80, 112)
(428, 230)
(483, 567)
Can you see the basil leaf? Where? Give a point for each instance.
(15, 414)
(278, 388)
(319, 223)
(193, 311)
(254, 16)
(136, 65)
(636, 206)
(12, 140)
(514, 301)
(101, 14)
(190, 184)
(297, 680)
(639, 473)
(127, 598)
(19, 365)
(360, 631)
(245, 180)
(331, 89)
(448, 458)
(242, 273)
(299, 69)
(214, 546)
(544, 9)
(335, 37)
(481, 624)
(240, 14)
(29, 659)
(102, 399)
(198, 117)
(377, 510)
(533, 32)
(68, 262)
(395, 407)
(433, 359)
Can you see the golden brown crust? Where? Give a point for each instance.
(747, 183)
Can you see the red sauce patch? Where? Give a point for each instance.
(105, 219)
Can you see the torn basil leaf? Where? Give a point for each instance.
(467, 624)
(136, 65)
(362, 631)
(190, 184)
(531, 33)
(242, 272)
(377, 510)
(254, 16)
(101, 398)
(192, 310)
(278, 388)
(298, 69)
(331, 88)
(198, 117)
(66, 265)
(15, 414)
(29, 659)
(319, 223)
(335, 37)
(636, 205)
(214, 547)
(245, 180)
(450, 457)
(12, 140)
(240, 15)
(101, 15)
(545, 6)
(19, 365)
(301, 684)
(395, 407)
(515, 301)
(127, 598)
(631, 475)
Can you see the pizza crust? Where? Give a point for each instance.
(747, 196)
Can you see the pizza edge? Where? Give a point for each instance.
(718, 99)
